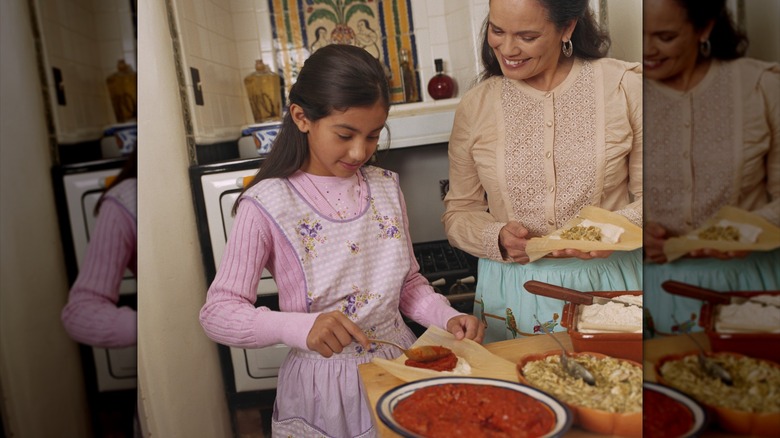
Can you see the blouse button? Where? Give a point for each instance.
(548, 154)
(551, 222)
(549, 123)
(552, 189)
(548, 95)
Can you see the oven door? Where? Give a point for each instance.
(77, 190)
(215, 189)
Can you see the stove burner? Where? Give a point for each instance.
(439, 259)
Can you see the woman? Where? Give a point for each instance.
(712, 123)
(553, 126)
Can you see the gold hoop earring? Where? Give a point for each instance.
(705, 48)
(567, 47)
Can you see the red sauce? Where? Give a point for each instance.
(446, 363)
(457, 409)
(663, 416)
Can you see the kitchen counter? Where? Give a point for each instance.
(377, 381)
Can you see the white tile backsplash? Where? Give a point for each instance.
(234, 33)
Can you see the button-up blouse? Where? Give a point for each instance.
(714, 145)
(538, 157)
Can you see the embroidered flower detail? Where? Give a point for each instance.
(354, 248)
(353, 302)
(388, 226)
(373, 347)
(310, 235)
(386, 173)
(309, 299)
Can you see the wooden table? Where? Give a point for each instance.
(377, 381)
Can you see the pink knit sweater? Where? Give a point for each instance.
(91, 315)
(229, 316)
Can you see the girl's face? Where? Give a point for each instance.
(671, 44)
(523, 40)
(343, 141)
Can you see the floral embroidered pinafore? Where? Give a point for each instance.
(356, 266)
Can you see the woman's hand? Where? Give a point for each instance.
(512, 241)
(466, 326)
(654, 237)
(584, 255)
(332, 331)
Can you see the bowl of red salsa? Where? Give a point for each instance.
(668, 413)
(472, 406)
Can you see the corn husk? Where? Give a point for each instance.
(483, 363)
(769, 239)
(631, 238)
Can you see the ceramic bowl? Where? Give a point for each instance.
(666, 400)
(594, 420)
(389, 400)
(741, 422)
(620, 345)
(749, 344)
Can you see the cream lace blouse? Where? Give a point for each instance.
(538, 157)
(717, 144)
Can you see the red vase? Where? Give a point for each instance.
(441, 86)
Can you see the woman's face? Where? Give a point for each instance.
(523, 40)
(671, 44)
(343, 141)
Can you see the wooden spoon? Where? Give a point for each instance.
(424, 353)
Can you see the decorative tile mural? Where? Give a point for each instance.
(383, 27)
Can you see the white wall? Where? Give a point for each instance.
(764, 33)
(180, 382)
(40, 369)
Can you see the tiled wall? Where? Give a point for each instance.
(223, 38)
(85, 39)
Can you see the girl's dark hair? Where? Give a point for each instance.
(335, 77)
(726, 40)
(590, 42)
(129, 170)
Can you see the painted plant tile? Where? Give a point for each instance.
(383, 27)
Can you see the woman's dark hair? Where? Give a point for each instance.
(334, 78)
(726, 41)
(590, 42)
(129, 170)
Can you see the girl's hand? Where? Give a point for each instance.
(587, 255)
(654, 236)
(466, 326)
(332, 331)
(721, 255)
(512, 241)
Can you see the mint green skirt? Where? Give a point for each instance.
(508, 310)
(673, 314)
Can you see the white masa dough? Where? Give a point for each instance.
(612, 314)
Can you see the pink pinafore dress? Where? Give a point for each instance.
(356, 266)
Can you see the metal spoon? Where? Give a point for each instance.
(572, 368)
(423, 353)
(709, 366)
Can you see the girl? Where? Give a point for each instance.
(553, 126)
(334, 234)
